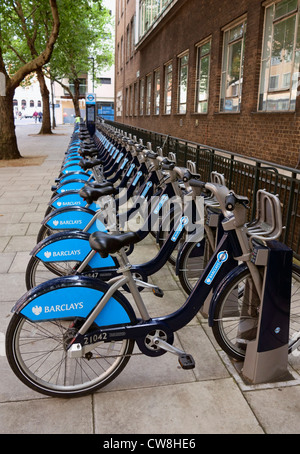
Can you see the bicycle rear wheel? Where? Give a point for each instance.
(237, 310)
(37, 354)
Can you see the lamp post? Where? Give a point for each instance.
(92, 58)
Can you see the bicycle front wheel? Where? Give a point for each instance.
(237, 310)
(192, 263)
(37, 354)
(38, 272)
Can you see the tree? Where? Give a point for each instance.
(18, 19)
(85, 33)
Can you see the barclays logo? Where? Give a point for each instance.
(37, 310)
(48, 254)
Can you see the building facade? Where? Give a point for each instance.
(220, 73)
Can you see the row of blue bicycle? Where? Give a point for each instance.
(75, 330)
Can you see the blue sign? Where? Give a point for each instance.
(221, 258)
(90, 98)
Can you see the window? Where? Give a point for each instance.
(168, 89)
(23, 104)
(182, 83)
(136, 99)
(232, 68)
(31, 103)
(148, 94)
(39, 103)
(132, 27)
(82, 86)
(142, 89)
(126, 102)
(156, 92)
(105, 80)
(280, 57)
(202, 80)
(149, 12)
(15, 102)
(131, 100)
(127, 43)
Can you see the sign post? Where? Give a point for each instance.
(90, 102)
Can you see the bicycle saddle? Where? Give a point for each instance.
(84, 164)
(105, 244)
(91, 194)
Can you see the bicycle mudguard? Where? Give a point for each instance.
(71, 166)
(74, 176)
(231, 275)
(70, 185)
(73, 296)
(70, 199)
(68, 218)
(70, 246)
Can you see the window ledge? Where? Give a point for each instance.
(276, 112)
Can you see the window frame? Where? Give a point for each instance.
(168, 101)
(266, 92)
(157, 92)
(180, 73)
(199, 58)
(148, 86)
(226, 48)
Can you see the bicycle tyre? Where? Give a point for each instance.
(234, 325)
(37, 355)
(192, 262)
(38, 272)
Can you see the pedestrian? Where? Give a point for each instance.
(40, 116)
(35, 115)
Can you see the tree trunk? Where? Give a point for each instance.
(46, 125)
(8, 141)
(76, 98)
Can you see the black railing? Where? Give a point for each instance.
(243, 175)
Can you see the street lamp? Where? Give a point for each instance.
(92, 58)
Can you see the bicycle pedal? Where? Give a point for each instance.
(186, 361)
(158, 292)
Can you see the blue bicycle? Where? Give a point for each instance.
(73, 335)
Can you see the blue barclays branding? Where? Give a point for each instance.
(70, 219)
(162, 201)
(124, 163)
(74, 168)
(146, 189)
(68, 201)
(73, 249)
(70, 187)
(221, 258)
(70, 176)
(63, 250)
(129, 172)
(74, 302)
(119, 158)
(138, 176)
(183, 221)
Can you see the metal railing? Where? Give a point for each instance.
(243, 175)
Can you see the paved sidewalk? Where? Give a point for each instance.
(151, 395)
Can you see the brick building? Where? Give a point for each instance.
(221, 73)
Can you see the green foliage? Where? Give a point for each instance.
(85, 32)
